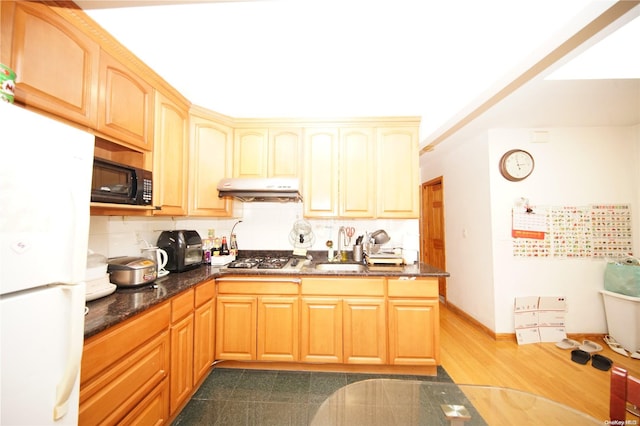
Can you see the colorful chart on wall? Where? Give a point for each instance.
(570, 232)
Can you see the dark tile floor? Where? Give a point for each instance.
(260, 397)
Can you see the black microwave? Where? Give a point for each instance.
(120, 184)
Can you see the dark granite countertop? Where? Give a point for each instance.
(127, 302)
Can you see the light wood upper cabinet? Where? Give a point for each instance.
(321, 156)
(285, 152)
(267, 152)
(211, 159)
(356, 173)
(398, 186)
(170, 157)
(125, 107)
(57, 66)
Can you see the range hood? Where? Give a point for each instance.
(260, 189)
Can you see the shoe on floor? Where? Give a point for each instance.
(590, 347)
(615, 346)
(568, 344)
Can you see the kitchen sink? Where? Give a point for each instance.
(349, 267)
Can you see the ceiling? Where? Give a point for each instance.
(337, 58)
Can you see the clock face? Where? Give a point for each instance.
(516, 165)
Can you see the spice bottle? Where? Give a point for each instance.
(224, 248)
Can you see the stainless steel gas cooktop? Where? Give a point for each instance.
(266, 262)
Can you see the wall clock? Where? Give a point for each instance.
(516, 165)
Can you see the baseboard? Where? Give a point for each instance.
(477, 324)
(503, 337)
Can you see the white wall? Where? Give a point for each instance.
(265, 226)
(578, 166)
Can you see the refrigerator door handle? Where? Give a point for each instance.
(76, 295)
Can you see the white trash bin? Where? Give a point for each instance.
(623, 319)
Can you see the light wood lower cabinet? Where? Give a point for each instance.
(257, 319)
(181, 376)
(144, 370)
(123, 366)
(414, 322)
(321, 330)
(347, 327)
(204, 329)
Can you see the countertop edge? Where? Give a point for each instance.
(125, 303)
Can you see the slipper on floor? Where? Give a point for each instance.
(635, 355)
(601, 362)
(590, 347)
(568, 344)
(615, 346)
(580, 356)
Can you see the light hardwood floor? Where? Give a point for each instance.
(471, 356)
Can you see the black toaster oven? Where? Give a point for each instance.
(184, 249)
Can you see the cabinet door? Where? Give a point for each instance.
(414, 332)
(278, 328)
(365, 331)
(170, 158)
(181, 376)
(204, 329)
(285, 149)
(398, 187)
(321, 330)
(321, 152)
(250, 153)
(57, 66)
(203, 339)
(125, 104)
(211, 160)
(356, 173)
(236, 328)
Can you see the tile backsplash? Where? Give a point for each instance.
(264, 226)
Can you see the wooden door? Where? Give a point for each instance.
(365, 331)
(236, 328)
(432, 247)
(321, 330)
(278, 328)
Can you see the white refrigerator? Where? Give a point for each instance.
(45, 185)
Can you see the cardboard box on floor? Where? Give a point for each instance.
(539, 319)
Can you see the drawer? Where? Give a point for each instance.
(343, 286)
(258, 285)
(205, 292)
(102, 350)
(182, 305)
(419, 287)
(113, 394)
